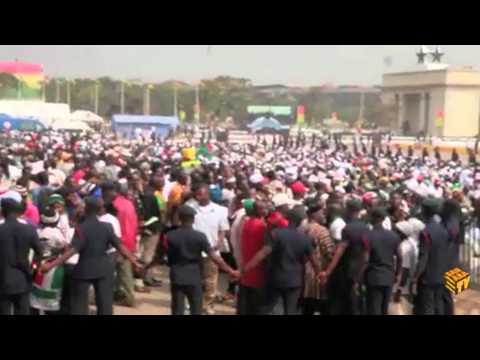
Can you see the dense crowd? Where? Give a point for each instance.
(299, 225)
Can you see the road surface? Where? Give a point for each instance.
(158, 302)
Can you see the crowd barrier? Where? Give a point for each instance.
(470, 252)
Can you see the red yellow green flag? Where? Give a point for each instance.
(300, 115)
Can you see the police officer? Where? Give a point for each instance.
(184, 249)
(343, 272)
(381, 250)
(433, 262)
(451, 219)
(288, 251)
(16, 241)
(92, 239)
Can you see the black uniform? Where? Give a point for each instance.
(286, 267)
(453, 228)
(380, 274)
(184, 250)
(16, 241)
(343, 300)
(434, 247)
(455, 156)
(95, 267)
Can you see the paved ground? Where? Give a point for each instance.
(158, 302)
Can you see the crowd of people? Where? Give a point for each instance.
(300, 226)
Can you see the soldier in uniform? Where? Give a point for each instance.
(451, 219)
(381, 248)
(16, 241)
(455, 156)
(92, 240)
(410, 151)
(433, 262)
(343, 272)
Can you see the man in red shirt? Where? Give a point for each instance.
(253, 236)
(277, 218)
(127, 217)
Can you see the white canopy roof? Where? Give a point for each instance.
(86, 116)
(64, 124)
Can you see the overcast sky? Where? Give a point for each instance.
(264, 64)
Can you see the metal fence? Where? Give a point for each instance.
(470, 252)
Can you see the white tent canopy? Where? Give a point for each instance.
(64, 124)
(86, 116)
(46, 112)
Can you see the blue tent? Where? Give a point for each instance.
(129, 125)
(265, 123)
(8, 122)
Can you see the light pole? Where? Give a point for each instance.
(44, 95)
(362, 107)
(97, 85)
(122, 97)
(175, 99)
(68, 92)
(146, 99)
(19, 89)
(57, 90)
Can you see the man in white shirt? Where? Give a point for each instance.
(336, 222)
(168, 186)
(212, 220)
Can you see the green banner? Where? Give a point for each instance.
(275, 110)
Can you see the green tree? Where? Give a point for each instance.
(8, 86)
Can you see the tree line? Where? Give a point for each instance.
(219, 98)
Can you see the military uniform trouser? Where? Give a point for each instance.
(210, 283)
(125, 282)
(149, 249)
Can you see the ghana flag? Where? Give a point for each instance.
(47, 290)
(20, 79)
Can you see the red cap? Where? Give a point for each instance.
(369, 196)
(298, 188)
